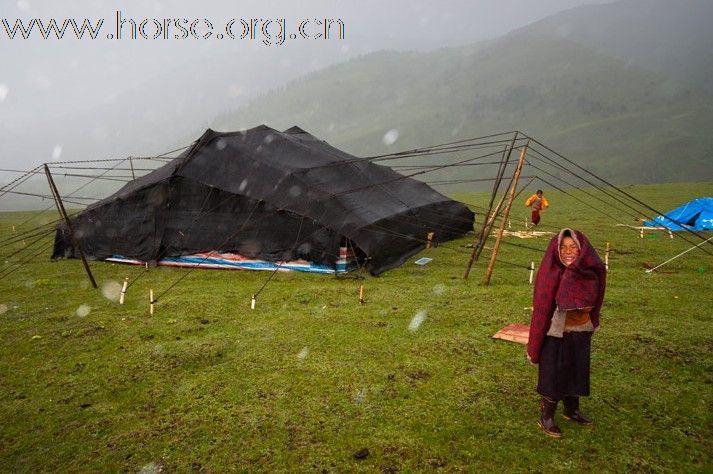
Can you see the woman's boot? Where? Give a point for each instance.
(571, 411)
(547, 418)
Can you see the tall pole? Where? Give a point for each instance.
(487, 222)
(493, 216)
(513, 187)
(63, 214)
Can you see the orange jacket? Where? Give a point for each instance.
(531, 199)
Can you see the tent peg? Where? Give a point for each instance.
(429, 239)
(606, 257)
(151, 302)
(252, 302)
(532, 271)
(123, 290)
(361, 294)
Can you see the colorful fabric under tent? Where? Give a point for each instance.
(695, 215)
(270, 197)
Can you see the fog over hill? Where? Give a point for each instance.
(621, 87)
(105, 98)
(577, 80)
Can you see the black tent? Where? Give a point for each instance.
(270, 195)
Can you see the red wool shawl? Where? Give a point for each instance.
(581, 285)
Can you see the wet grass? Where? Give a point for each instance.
(310, 377)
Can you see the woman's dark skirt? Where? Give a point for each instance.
(564, 366)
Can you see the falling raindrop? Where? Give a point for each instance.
(390, 137)
(359, 395)
(269, 138)
(564, 31)
(303, 353)
(83, 311)
(221, 144)
(111, 290)
(250, 247)
(56, 152)
(235, 90)
(295, 191)
(151, 468)
(417, 320)
(304, 249)
(41, 81)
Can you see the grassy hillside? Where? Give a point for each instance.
(671, 38)
(310, 377)
(622, 121)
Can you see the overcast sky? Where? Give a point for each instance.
(63, 99)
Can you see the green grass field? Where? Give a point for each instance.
(310, 377)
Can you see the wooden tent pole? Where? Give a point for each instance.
(487, 222)
(494, 216)
(63, 214)
(513, 187)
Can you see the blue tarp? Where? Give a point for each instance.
(694, 215)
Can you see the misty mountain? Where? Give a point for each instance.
(629, 116)
(673, 38)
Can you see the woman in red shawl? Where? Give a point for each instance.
(569, 291)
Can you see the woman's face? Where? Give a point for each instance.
(569, 251)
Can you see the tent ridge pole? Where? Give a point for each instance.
(490, 217)
(513, 187)
(63, 214)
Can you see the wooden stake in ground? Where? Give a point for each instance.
(63, 214)
(429, 239)
(361, 294)
(499, 238)
(123, 290)
(532, 271)
(252, 302)
(606, 257)
(151, 302)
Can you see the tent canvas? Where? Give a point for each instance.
(268, 195)
(694, 215)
